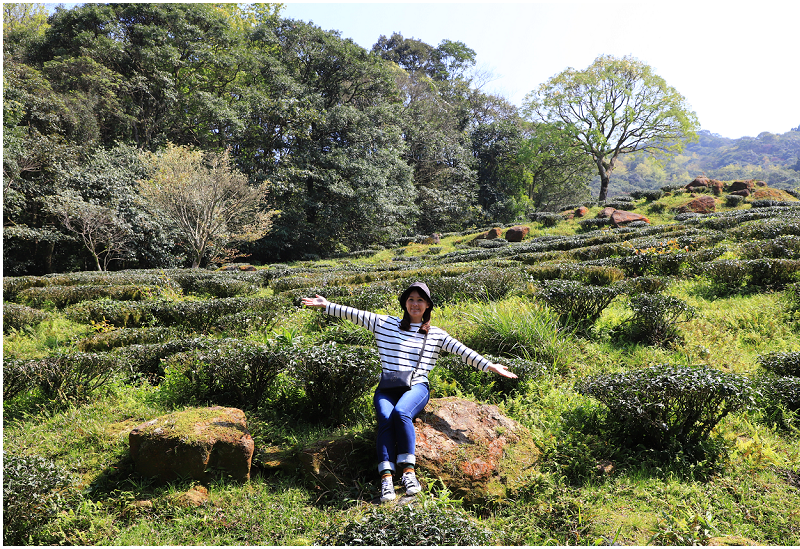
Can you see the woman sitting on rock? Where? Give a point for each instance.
(408, 350)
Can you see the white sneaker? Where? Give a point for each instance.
(387, 489)
(410, 483)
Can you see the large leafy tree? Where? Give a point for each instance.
(613, 107)
(210, 203)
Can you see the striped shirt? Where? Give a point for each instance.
(400, 349)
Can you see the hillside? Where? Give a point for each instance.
(607, 326)
(774, 158)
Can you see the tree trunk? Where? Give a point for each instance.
(604, 169)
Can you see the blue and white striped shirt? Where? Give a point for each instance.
(399, 349)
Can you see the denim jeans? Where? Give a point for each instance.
(396, 409)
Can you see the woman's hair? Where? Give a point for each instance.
(405, 323)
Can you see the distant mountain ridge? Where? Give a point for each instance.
(770, 157)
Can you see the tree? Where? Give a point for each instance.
(101, 230)
(615, 106)
(211, 204)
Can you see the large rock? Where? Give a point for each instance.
(606, 212)
(477, 452)
(620, 218)
(517, 233)
(747, 185)
(701, 205)
(197, 443)
(491, 234)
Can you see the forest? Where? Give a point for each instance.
(354, 149)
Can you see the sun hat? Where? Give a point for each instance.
(422, 288)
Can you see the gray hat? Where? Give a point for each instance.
(422, 288)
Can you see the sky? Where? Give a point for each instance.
(736, 63)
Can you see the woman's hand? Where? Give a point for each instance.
(499, 369)
(318, 301)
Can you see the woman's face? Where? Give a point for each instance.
(416, 305)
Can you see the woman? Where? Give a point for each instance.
(409, 345)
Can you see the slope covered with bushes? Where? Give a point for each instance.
(658, 375)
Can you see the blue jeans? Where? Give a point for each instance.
(396, 409)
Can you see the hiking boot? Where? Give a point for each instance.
(387, 489)
(410, 483)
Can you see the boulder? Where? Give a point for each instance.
(581, 212)
(621, 218)
(699, 182)
(197, 443)
(517, 233)
(491, 234)
(606, 212)
(477, 452)
(701, 205)
(743, 192)
(748, 185)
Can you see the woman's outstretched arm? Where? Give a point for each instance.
(499, 369)
(318, 301)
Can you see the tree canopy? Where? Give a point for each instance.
(614, 107)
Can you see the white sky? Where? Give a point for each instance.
(736, 63)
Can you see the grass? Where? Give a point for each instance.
(745, 491)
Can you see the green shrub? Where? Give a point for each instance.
(547, 219)
(74, 376)
(773, 273)
(13, 285)
(781, 363)
(577, 303)
(666, 404)
(227, 372)
(593, 224)
(728, 275)
(431, 523)
(483, 385)
(219, 284)
(783, 247)
(780, 391)
(34, 490)
(148, 359)
(61, 296)
(490, 284)
(655, 318)
(643, 285)
(733, 200)
(107, 341)
(648, 194)
(17, 317)
(19, 376)
(334, 377)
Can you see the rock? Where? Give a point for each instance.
(197, 443)
(194, 497)
(517, 233)
(743, 192)
(477, 452)
(701, 205)
(434, 238)
(621, 217)
(722, 541)
(747, 185)
(247, 268)
(698, 182)
(581, 212)
(491, 234)
(606, 212)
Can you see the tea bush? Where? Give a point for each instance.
(577, 303)
(665, 404)
(227, 372)
(148, 359)
(429, 524)
(593, 224)
(783, 247)
(490, 284)
(483, 385)
(334, 377)
(648, 194)
(780, 391)
(547, 219)
(13, 285)
(34, 491)
(655, 318)
(773, 274)
(733, 200)
(19, 376)
(643, 285)
(781, 363)
(107, 341)
(62, 296)
(17, 317)
(74, 376)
